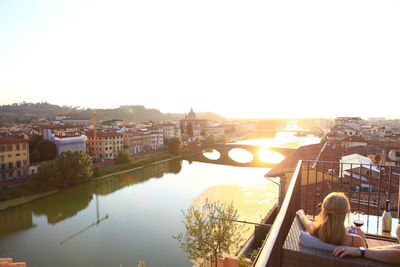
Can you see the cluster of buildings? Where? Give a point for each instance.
(115, 135)
(366, 162)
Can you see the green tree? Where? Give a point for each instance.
(71, 167)
(175, 145)
(34, 141)
(34, 157)
(123, 157)
(47, 150)
(211, 230)
(189, 129)
(47, 172)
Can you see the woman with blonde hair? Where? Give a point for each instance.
(330, 226)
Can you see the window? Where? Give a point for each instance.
(2, 148)
(17, 147)
(24, 146)
(18, 164)
(3, 166)
(18, 154)
(397, 154)
(10, 165)
(9, 155)
(9, 148)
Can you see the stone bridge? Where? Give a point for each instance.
(225, 159)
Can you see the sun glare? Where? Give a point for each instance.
(269, 156)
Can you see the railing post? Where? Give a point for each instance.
(398, 200)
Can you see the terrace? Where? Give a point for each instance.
(367, 186)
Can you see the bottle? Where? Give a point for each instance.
(387, 218)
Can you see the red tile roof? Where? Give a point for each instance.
(12, 140)
(354, 139)
(101, 134)
(320, 152)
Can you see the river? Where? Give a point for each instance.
(129, 217)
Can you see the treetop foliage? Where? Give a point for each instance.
(211, 230)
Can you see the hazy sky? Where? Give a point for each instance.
(236, 58)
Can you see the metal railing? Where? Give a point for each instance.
(366, 185)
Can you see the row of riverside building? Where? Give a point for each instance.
(111, 137)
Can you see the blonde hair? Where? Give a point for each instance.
(330, 226)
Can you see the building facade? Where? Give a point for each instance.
(192, 122)
(64, 143)
(106, 146)
(14, 158)
(141, 141)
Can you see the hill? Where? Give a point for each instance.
(28, 112)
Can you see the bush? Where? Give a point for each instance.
(175, 145)
(123, 157)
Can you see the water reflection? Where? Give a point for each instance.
(252, 202)
(144, 211)
(241, 155)
(68, 202)
(65, 204)
(15, 220)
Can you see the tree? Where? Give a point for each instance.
(34, 141)
(189, 129)
(209, 140)
(71, 167)
(34, 156)
(47, 150)
(47, 172)
(203, 132)
(123, 157)
(175, 145)
(210, 231)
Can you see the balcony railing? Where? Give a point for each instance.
(367, 186)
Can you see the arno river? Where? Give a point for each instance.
(132, 216)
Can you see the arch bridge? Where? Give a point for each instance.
(225, 159)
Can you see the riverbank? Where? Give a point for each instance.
(27, 192)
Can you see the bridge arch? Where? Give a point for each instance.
(224, 150)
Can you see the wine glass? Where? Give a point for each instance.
(358, 218)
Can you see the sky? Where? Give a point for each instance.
(236, 58)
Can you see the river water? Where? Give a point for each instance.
(129, 217)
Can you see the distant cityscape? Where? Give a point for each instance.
(74, 130)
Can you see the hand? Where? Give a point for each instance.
(360, 232)
(341, 251)
(300, 213)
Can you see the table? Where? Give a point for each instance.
(373, 226)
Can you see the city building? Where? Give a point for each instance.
(106, 146)
(66, 142)
(144, 140)
(14, 158)
(352, 122)
(196, 124)
(169, 130)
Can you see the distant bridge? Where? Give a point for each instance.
(225, 159)
(302, 132)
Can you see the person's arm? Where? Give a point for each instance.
(384, 254)
(359, 241)
(307, 223)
